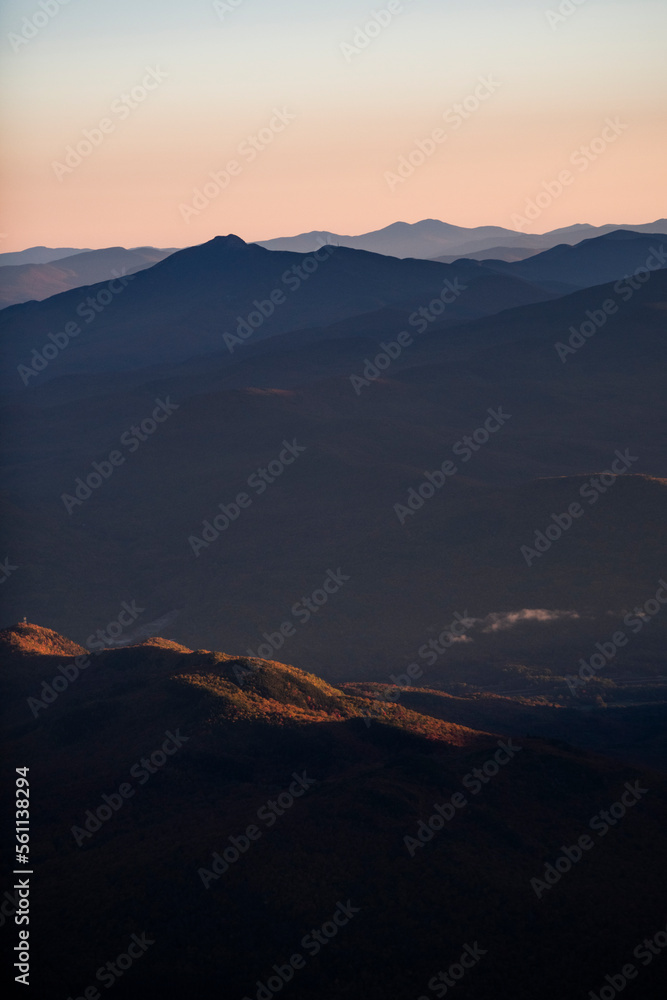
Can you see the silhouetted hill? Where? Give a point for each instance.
(592, 262)
(493, 253)
(183, 306)
(633, 731)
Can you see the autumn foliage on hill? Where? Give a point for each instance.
(249, 735)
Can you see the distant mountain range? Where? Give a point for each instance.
(39, 255)
(47, 255)
(430, 239)
(35, 274)
(24, 282)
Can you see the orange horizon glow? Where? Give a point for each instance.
(328, 131)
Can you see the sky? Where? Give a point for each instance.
(336, 115)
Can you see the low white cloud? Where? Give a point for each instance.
(499, 621)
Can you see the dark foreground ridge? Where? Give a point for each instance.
(236, 827)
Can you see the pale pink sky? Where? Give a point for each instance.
(550, 89)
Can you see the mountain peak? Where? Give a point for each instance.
(226, 241)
